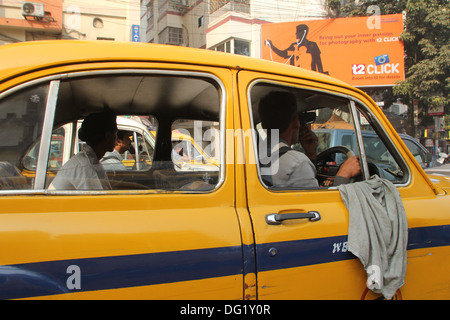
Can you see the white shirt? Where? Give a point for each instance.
(82, 172)
(293, 170)
(112, 161)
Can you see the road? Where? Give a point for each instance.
(444, 170)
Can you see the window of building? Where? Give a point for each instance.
(236, 46)
(223, 47)
(149, 15)
(97, 23)
(171, 35)
(234, 5)
(242, 47)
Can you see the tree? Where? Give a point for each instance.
(427, 50)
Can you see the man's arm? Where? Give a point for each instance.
(349, 169)
(281, 53)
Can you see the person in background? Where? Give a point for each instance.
(112, 160)
(84, 171)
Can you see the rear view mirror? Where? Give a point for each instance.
(306, 118)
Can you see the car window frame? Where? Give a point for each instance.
(355, 106)
(423, 151)
(380, 131)
(50, 109)
(50, 101)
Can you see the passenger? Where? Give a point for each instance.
(178, 154)
(112, 161)
(84, 171)
(179, 157)
(294, 169)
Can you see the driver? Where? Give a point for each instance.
(294, 169)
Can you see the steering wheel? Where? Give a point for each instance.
(326, 165)
(337, 149)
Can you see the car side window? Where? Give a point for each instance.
(382, 157)
(56, 152)
(192, 144)
(287, 162)
(165, 149)
(21, 118)
(301, 163)
(417, 152)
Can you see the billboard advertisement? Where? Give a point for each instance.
(362, 51)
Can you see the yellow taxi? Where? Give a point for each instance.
(165, 233)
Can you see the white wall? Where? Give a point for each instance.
(117, 18)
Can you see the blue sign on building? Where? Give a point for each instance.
(135, 37)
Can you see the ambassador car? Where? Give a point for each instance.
(166, 233)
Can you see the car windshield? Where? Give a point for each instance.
(324, 140)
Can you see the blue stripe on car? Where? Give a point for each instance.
(102, 273)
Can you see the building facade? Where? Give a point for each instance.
(232, 26)
(175, 22)
(102, 20)
(20, 21)
(69, 19)
(235, 25)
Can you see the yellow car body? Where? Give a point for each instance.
(186, 243)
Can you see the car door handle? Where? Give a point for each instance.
(277, 218)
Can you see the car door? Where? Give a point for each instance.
(153, 242)
(307, 257)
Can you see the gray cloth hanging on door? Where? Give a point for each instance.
(378, 232)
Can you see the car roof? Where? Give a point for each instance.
(20, 58)
(199, 98)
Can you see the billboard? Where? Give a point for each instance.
(362, 51)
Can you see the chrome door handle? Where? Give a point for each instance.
(277, 218)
